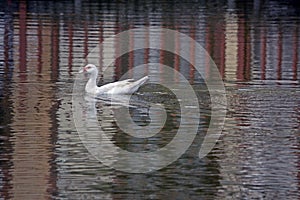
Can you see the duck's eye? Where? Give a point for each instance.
(88, 67)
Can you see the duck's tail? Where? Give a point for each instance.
(139, 83)
(142, 80)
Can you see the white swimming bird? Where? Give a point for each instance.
(127, 86)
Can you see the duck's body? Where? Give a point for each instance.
(127, 86)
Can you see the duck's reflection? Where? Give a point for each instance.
(126, 110)
(99, 119)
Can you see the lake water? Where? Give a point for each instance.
(255, 46)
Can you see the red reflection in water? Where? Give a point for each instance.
(208, 48)
(241, 49)
(40, 46)
(248, 56)
(192, 54)
(220, 34)
(117, 53)
(55, 50)
(279, 55)
(131, 52)
(162, 52)
(70, 37)
(177, 53)
(215, 38)
(263, 50)
(295, 53)
(218, 47)
(7, 43)
(147, 50)
(86, 39)
(100, 50)
(23, 40)
(244, 49)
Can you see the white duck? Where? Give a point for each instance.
(127, 86)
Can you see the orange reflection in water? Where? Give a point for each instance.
(32, 106)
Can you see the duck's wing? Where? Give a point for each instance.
(127, 86)
(119, 84)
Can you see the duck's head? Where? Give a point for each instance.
(89, 69)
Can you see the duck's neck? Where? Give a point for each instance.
(91, 85)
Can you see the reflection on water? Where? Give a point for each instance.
(255, 45)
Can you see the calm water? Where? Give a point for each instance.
(255, 45)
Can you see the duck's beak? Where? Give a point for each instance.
(81, 70)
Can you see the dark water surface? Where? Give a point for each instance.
(255, 45)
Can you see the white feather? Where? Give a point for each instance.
(127, 86)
